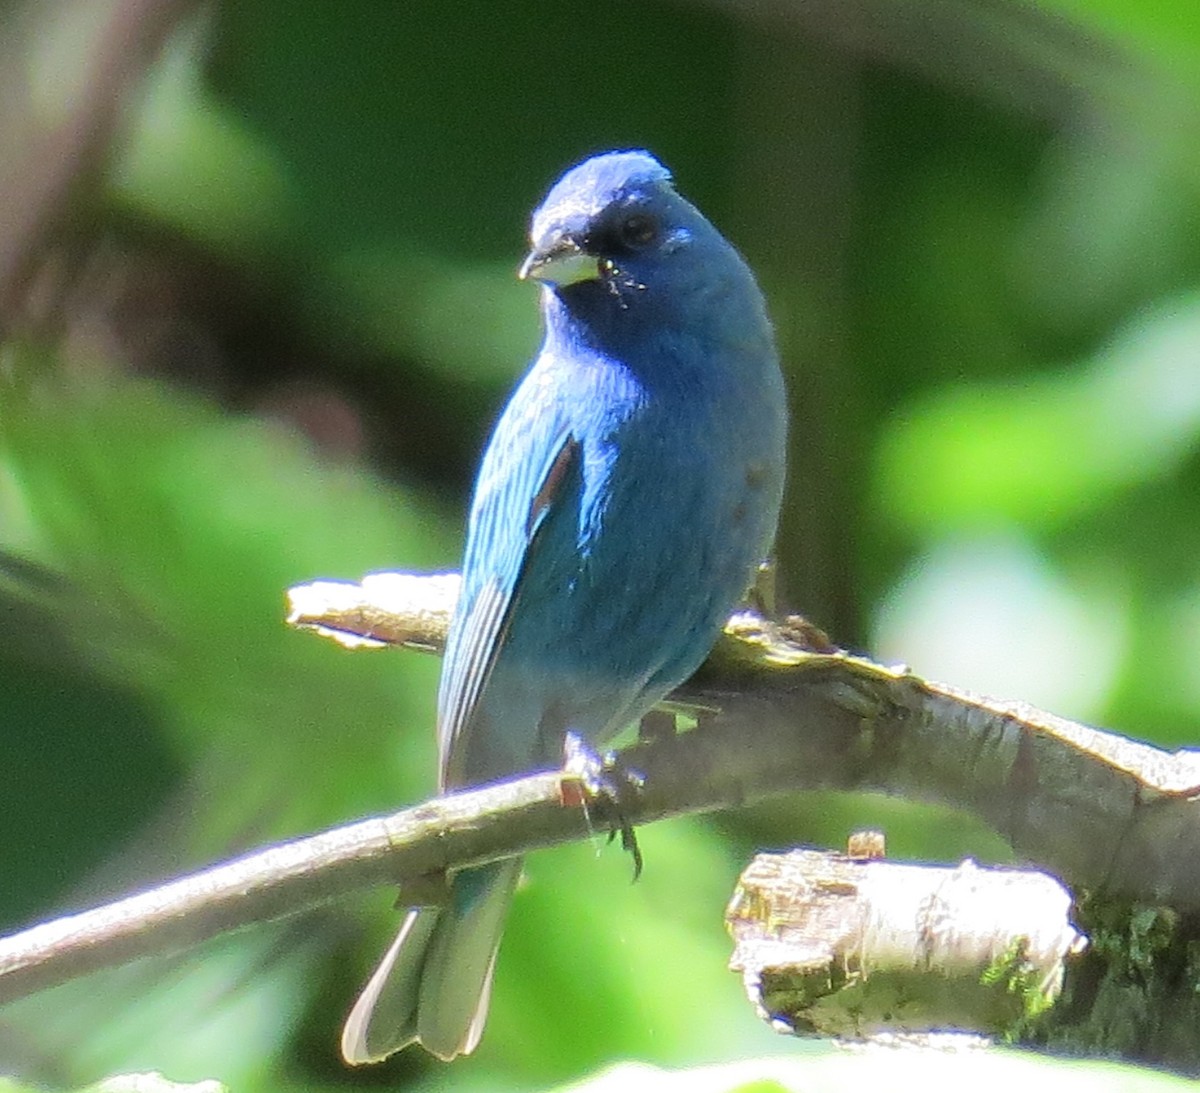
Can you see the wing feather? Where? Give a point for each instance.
(506, 516)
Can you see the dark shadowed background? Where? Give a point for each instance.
(258, 309)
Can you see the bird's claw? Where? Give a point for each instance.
(608, 784)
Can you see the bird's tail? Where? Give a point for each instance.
(434, 983)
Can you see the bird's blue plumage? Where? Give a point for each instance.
(627, 494)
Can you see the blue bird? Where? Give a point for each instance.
(627, 494)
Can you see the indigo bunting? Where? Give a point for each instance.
(627, 494)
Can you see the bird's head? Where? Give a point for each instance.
(613, 237)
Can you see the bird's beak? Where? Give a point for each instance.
(564, 262)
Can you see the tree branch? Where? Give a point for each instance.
(846, 947)
(461, 829)
(791, 713)
(1099, 810)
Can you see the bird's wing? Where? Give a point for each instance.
(529, 461)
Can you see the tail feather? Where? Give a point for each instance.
(456, 981)
(434, 983)
(384, 1019)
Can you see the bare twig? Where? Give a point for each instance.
(465, 828)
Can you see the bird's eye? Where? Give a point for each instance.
(638, 230)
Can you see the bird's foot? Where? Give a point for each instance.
(607, 785)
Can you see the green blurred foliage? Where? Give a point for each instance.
(287, 318)
(889, 1068)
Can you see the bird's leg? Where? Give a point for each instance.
(606, 782)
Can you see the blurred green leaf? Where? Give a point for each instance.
(939, 1067)
(1044, 450)
(1166, 30)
